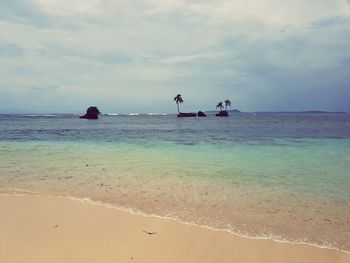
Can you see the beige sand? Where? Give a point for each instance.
(53, 229)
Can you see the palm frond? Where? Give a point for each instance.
(219, 105)
(178, 99)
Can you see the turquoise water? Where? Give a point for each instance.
(282, 176)
(312, 166)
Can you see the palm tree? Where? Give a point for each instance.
(220, 106)
(178, 99)
(227, 104)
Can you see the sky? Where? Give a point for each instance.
(135, 55)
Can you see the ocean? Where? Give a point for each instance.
(282, 176)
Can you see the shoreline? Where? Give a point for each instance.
(136, 212)
(26, 215)
(259, 190)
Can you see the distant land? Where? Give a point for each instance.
(311, 111)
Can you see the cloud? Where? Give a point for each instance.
(261, 54)
(32, 13)
(70, 8)
(114, 57)
(23, 12)
(9, 50)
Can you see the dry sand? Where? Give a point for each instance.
(56, 229)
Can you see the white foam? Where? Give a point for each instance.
(269, 236)
(19, 192)
(156, 114)
(41, 115)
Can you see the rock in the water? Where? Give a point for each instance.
(91, 113)
(222, 113)
(187, 114)
(201, 114)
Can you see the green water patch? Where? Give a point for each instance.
(313, 166)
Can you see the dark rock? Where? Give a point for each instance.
(188, 114)
(222, 113)
(91, 113)
(201, 114)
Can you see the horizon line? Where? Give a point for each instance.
(123, 113)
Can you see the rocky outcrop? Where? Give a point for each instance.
(201, 114)
(91, 113)
(187, 114)
(222, 113)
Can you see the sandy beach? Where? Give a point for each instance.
(56, 229)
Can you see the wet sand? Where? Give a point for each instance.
(56, 229)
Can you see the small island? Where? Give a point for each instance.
(223, 113)
(178, 100)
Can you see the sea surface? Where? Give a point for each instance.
(284, 176)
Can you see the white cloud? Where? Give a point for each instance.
(69, 7)
(140, 48)
(194, 57)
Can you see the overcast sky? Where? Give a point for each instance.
(135, 56)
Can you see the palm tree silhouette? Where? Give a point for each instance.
(219, 105)
(178, 99)
(227, 104)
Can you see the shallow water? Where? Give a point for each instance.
(284, 176)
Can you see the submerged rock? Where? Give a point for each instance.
(222, 113)
(187, 114)
(91, 113)
(201, 114)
